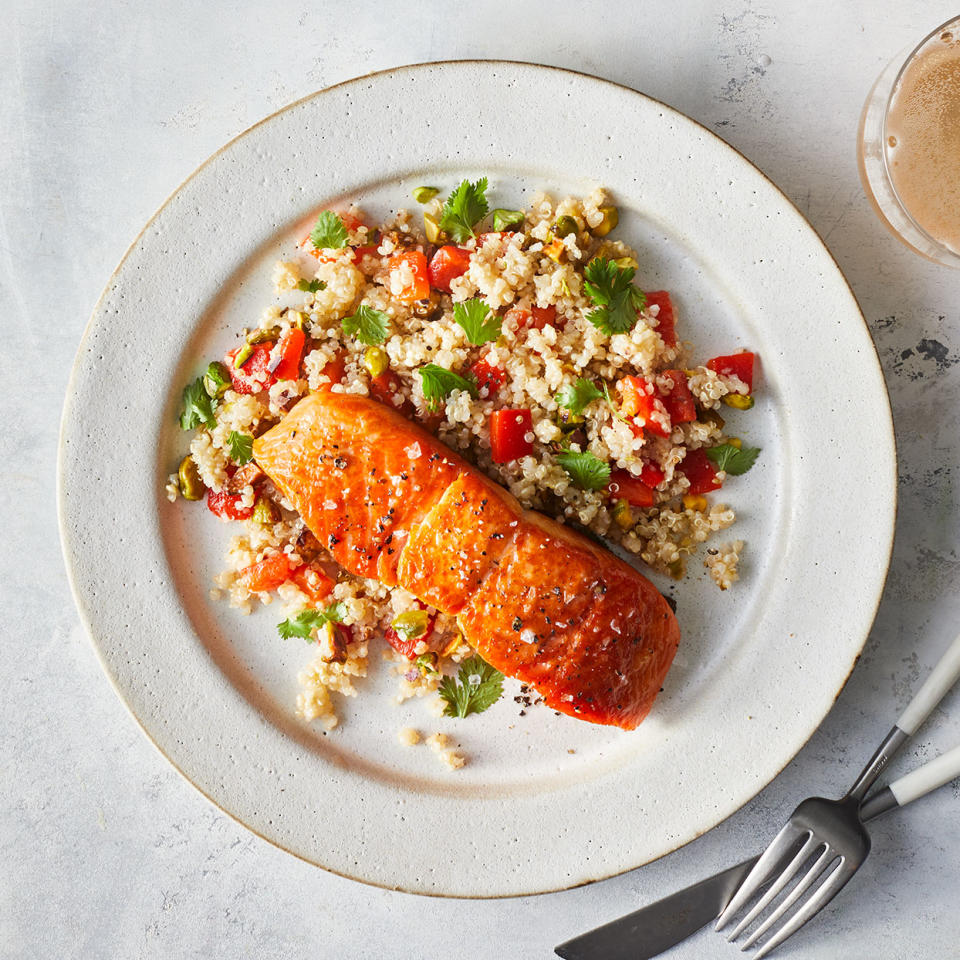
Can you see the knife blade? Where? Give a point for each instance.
(661, 925)
(649, 931)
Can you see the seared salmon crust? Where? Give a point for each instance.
(536, 599)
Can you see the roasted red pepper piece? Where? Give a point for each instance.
(665, 320)
(508, 430)
(679, 401)
(255, 374)
(625, 486)
(266, 574)
(448, 263)
(227, 506)
(701, 471)
(417, 285)
(737, 365)
(488, 376)
(291, 352)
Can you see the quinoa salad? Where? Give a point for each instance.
(525, 341)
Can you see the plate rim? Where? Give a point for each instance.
(872, 604)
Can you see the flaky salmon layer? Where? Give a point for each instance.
(536, 600)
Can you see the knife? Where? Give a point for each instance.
(649, 931)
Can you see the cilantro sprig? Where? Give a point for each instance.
(328, 232)
(438, 383)
(585, 469)
(464, 209)
(733, 460)
(368, 325)
(575, 397)
(611, 288)
(198, 407)
(476, 687)
(479, 322)
(311, 286)
(241, 447)
(306, 621)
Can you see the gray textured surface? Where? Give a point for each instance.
(107, 852)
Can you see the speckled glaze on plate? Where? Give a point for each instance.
(546, 802)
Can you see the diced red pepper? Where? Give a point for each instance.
(255, 374)
(350, 220)
(227, 506)
(536, 318)
(386, 389)
(736, 365)
(313, 582)
(508, 430)
(665, 319)
(701, 471)
(541, 316)
(488, 376)
(636, 401)
(266, 574)
(334, 370)
(625, 486)
(520, 316)
(291, 352)
(448, 263)
(652, 475)
(417, 285)
(679, 401)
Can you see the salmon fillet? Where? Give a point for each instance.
(537, 600)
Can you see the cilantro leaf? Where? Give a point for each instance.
(586, 470)
(438, 382)
(479, 322)
(197, 407)
(241, 447)
(575, 397)
(733, 460)
(329, 233)
(617, 299)
(311, 286)
(476, 688)
(370, 326)
(306, 621)
(464, 209)
(505, 219)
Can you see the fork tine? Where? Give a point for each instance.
(830, 887)
(806, 851)
(821, 864)
(762, 870)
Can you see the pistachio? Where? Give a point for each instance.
(611, 217)
(376, 361)
(425, 194)
(265, 511)
(191, 486)
(739, 401)
(622, 514)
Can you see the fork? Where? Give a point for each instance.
(830, 830)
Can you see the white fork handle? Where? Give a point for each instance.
(945, 675)
(933, 774)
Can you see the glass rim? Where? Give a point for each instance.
(954, 20)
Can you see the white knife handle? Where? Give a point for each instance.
(945, 675)
(933, 774)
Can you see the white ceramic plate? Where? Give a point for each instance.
(546, 802)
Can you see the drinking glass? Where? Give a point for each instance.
(908, 145)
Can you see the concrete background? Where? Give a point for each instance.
(104, 108)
